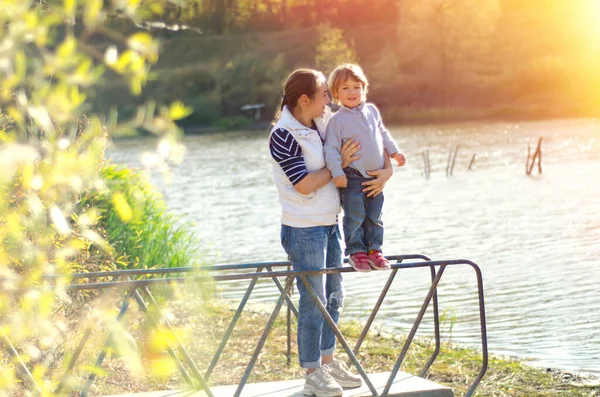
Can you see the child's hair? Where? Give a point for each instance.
(343, 73)
(299, 82)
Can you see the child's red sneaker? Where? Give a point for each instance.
(360, 262)
(378, 261)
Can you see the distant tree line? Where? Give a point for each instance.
(534, 58)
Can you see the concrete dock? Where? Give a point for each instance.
(405, 385)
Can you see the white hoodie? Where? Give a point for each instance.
(321, 207)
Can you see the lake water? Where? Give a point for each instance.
(536, 238)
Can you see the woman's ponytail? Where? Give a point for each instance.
(299, 82)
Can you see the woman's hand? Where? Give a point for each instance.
(375, 186)
(348, 152)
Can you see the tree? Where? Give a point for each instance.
(454, 32)
(333, 49)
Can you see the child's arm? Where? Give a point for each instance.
(400, 158)
(388, 141)
(341, 181)
(333, 146)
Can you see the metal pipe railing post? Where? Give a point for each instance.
(231, 326)
(413, 330)
(73, 360)
(482, 323)
(108, 342)
(171, 351)
(337, 333)
(367, 326)
(182, 350)
(263, 338)
(288, 298)
(21, 364)
(436, 325)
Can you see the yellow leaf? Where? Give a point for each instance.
(27, 175)
(13, 226)
(124, 60)
(178, 111)
(92, 12)
(20, 64)
(157, 9)
(140, 41)
(15, 115)
(67, 48)
(163, 367)
(8, 84)
(122, 207)
(77, 98)
(46, 303)
(69, 6)
(135, 85)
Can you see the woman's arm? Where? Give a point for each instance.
(375, 186)
(313, 181)
(317, 179)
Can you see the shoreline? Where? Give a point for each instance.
(203, 130)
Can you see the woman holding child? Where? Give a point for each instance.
(309, 232)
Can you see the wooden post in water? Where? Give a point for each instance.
(528, 158)
(454, 160)
(451, 161)
(448, 162)
(426, 165)
(537, 155)
(472, 161)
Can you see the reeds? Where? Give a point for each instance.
(153, 236)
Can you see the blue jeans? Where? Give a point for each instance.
(363, 228)
(315, 248)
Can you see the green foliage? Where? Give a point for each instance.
(252, 79)
(206, 110)
(333, 49)
(137, 222)
(212, 90)
(233, 123)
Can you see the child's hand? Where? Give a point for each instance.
(340, 181)
(400, 158)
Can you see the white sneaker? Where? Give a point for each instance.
(342, 375)
(321, 384)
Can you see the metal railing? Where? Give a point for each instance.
(137, 289)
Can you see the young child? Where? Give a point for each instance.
(363, 228)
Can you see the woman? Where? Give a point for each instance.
(309, 231)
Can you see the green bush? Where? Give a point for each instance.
(139, 227)
(252, 79)
(233, 123)
(206, 109)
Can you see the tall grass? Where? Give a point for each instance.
(151, 237)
